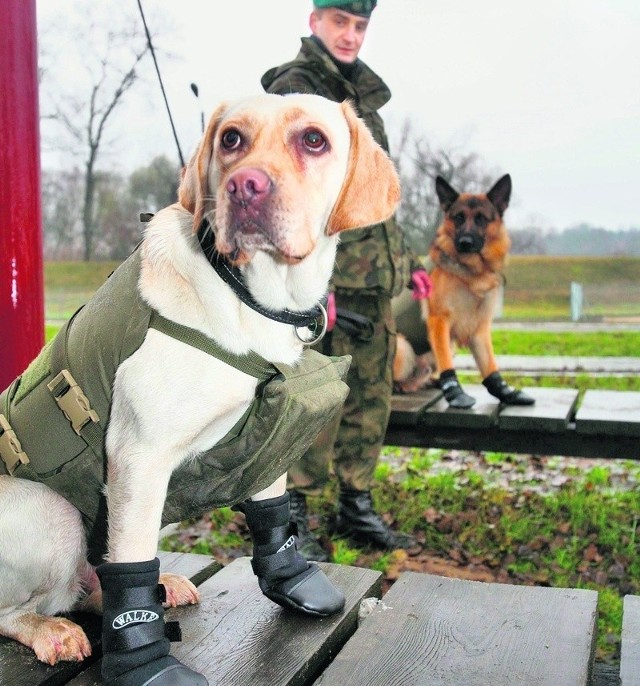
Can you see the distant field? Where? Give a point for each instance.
(67, 285)
(537, 287)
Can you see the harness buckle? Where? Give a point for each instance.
(72, 401)
(11, 451)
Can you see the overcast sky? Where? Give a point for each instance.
(547, 91)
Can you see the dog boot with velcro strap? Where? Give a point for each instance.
(135, 643)
(509, 395)
(452, 391)
(284, 576)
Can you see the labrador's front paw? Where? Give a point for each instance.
(56, 639)
(179, 590)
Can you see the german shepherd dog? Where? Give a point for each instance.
(468, 254)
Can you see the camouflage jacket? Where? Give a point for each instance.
(374, 259)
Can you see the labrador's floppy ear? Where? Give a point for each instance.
(194, 193)
(371, 189)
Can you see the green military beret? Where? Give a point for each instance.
(360, 7)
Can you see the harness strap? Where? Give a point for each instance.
(250, 363)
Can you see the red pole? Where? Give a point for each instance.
(21, 273)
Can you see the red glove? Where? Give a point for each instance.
(331, 311)
(421, 284)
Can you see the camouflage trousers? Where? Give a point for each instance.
(350, 446)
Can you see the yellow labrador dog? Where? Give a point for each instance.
(272, 184)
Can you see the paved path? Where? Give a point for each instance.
(529, 364)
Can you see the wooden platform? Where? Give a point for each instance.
(426, 630)
(605, 424)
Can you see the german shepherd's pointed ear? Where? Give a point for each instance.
(500, 193)
(371, 189)
(194, 193)
(447, 194)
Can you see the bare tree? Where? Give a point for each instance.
(528, 241)
(111, 57)
(62, 193)
(418, 163)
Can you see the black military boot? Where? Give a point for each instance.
(307, 544)
(452, 391)
(135, 646)
(358, 521)
(283, 574)
(509, 395)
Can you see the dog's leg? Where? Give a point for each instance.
(439, 332)
(481, 347)
(283, 574)
(135, 647)
(43, 570)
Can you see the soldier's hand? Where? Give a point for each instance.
(421, 284)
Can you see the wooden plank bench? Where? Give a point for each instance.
(427, 629)
(605, 424)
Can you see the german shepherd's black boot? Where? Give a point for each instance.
(357, 520)
(306, 543)
(509, 395)
(452, 391)
(283, 574)
(135, 646)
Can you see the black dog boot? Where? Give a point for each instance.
(509, 395)
(306, 543)
(357, 520)
(135, 646)
(283, 574)
(452, 391)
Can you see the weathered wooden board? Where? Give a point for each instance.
(198, 568)
(433, 630)
(553, 410)
(238, 637)
(609, 413)
(406, 409)
(19, 666)
(630, 655)
(483, 414)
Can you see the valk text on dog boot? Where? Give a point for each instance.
(283, 574)
(135, 645)
(509, 395)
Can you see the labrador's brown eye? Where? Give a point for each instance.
(231, 139)
(314, 141)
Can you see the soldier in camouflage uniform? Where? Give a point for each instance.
(372, 265)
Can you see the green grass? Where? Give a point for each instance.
(572, 537)
(583, 344)
(80, 276)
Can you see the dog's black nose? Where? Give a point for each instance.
(468, 243)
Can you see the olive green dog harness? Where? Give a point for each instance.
(53, 417)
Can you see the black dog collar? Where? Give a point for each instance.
(314, 319)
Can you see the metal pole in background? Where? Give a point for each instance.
(21, 271)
